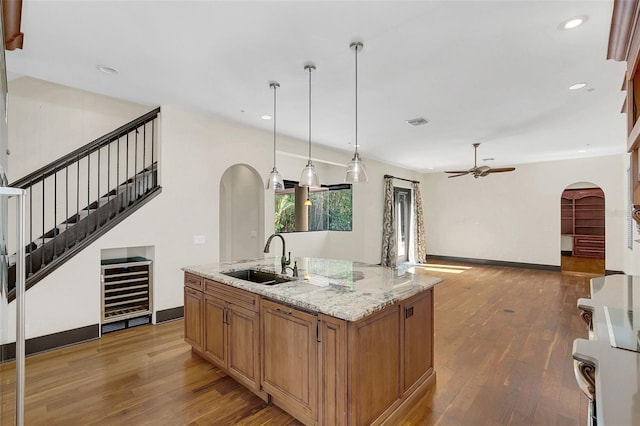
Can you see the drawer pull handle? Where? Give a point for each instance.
(284, 312)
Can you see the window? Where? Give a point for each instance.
(330, 210)
(402, 199)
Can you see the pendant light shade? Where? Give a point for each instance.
(309, 177)
(356, 170)
(274, 181)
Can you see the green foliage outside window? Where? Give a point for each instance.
(331, 210)
(285, 217)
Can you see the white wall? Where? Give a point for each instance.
(464, 217)
(516, 216)
(241, 214)
(47, 121)
(195, 151)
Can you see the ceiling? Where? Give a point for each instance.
(494, 72)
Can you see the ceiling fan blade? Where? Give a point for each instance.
(458, 171)
(501, 169)
(458, 175)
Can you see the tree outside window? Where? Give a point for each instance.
(330, 210)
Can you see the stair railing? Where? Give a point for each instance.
(72, 197)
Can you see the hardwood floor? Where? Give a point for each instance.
(585, 265)
(503, 341)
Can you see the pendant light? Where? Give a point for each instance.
(356, 171)
(309, 177)
(274, 181)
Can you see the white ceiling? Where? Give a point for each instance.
(495, 72)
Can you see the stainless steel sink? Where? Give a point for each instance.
(258, 277)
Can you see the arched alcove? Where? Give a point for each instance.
(582, 229)
(241, 213)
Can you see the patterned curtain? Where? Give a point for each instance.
(389, 244)
(420, 244)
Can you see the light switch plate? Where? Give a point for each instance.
(199, 239)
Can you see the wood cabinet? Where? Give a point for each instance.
(289, 359)
(374, 364)
(332, 371)
(243, 327)
(193, 305)
(583, 218)
(320, 369)
(370, 371)
(215, 330)
(417, 338)
(228, 322)
(624, 45)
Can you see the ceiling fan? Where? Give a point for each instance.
(479, 171)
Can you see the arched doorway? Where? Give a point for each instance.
(241, 213)
(582, 239)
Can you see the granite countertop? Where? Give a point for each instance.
(617, 370)
(340, 288)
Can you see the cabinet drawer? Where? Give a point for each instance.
(192, 281)
(588, 246)
(588, 240)
(589, 252)
(233, 295)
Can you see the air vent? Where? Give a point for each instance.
(417, 121)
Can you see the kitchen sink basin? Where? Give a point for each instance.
(259, 277)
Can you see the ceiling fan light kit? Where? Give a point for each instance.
(479, 171)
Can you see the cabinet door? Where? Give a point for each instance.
(374, 364)
(193, 318)
(332, 371)
(417, 338)
(215, 331)
(244, 345)
(289, 359)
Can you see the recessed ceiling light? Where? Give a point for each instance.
(582, 151)
(266, 117)
(577, 86)
(571, 23)
(107, 69)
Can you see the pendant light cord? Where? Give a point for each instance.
(309, 67)
(356, 49)
(274, 125)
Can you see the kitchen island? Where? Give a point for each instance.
(342, 343)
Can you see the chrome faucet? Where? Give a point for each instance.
(284, 262)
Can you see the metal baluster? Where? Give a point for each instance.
(118, 175)
(98, 195)
(43, 210)
(135, 168)
(55, 209)
(30, 227)
(77, 198)
(66, 205)
(144, 158)
(127, 175)
(153, 142)
(109, 177)
(88, 190)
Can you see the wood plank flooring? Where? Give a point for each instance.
(503, 341)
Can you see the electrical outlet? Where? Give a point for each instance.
(199, 239)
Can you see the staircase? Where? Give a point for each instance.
(74, 200)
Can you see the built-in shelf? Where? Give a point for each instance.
(582, 216)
